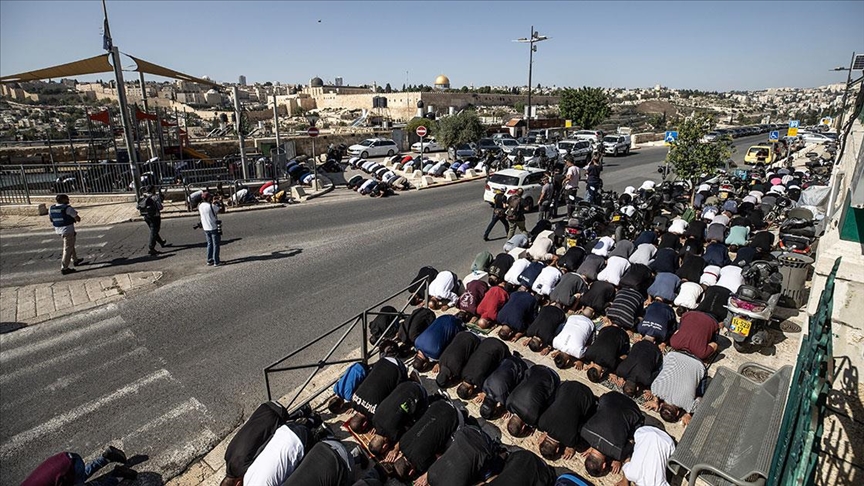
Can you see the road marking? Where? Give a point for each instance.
(85, 229)
(20, 440)
(190, 405)
(53, 250)
(170, 461)
(62, 339)
(83, 237)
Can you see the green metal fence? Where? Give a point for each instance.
(794, 461)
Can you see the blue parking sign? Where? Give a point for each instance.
(793, 124)
(671, 136)
(774, 136)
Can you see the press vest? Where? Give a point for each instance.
(59, 216)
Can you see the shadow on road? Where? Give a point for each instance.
(10, 326)
(174, 248)
(276, 255)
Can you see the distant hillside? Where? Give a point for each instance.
(657, 107)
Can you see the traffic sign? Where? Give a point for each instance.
(792, 132)
(421, 131)
(774, 136)
(794, 124)
(671, 137)
(826, 120)
(312, 132)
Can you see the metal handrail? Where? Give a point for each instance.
(366, 352)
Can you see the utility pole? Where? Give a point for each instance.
(278, 157)
(121, 99)
(845, 93)
(239, 130)
(146, 110)
(535, 37)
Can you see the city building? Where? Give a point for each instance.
(242, 80)
(442, 82)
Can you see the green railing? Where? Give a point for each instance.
(794, 461)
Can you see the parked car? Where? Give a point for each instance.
(817, 138)
(502, 136)
(616, 144)
(507, 144)
(759, 154)
(374, 147)
(710, 137)
(578, 149)
(429, 145)
(462, 151)
(509, 180)
(594, 136)
(531, 154)
(488, 145)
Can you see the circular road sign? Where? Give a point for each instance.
(312, 132)
(421, 131)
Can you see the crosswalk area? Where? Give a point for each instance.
(83, 386)
(36, 245)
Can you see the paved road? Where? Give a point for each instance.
(167, 374)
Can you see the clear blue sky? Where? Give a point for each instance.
(703, 45)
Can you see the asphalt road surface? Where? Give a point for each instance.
(167, 374)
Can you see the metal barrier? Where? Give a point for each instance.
(796, 454)
(361, 319)
(13, 186)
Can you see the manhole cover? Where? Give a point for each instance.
(756, 374)
(789, 326)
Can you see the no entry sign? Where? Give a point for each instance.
(312, 132)
(421, 131)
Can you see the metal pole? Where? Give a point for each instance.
(845, 95)
(124, 118)
(530, 66)
(315, 185)
(239, 130)
(24, 183)
(72, 156)
(278, 140)
(51, 153)
(147, 110)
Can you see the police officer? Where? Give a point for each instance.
(499, 213)
(63, 216)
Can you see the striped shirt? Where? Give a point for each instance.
(626, 307)
(678, 380)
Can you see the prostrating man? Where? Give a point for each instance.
(419, 446)
(252, 437)
(696, 335)
(329, 463)
(636, 372)
(493, 301)
(530, 398)
(68, 469)
(658, 323)
(442, 290)
(470, 455)
(598, 297)
(608, 433)
(396, 414)
(543, 330)
(384, 376)
(483, 361)
(608, 349)
(516, 315)
(499, 384)
(282, 454)
(432, 342)
(561, 422)
(675, 388)
(412, 327)
(449, 366)
(652, 448)
(626, 308)
(569, 290)
(570, 344)
(524, 468)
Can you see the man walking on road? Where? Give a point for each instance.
(571, 185)
(208, 209)
(516, 214)
(499, 209)
(63, 216)
(150, 207)
(593, 183)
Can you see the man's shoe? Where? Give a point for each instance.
(164, 243)
(124, 472)
(79, 261)
(67, 271)
(485, 238)
(114, 454)
(154, 252)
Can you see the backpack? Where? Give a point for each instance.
(145, 206)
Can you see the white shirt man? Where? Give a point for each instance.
(208, 212)
(647, 466)
(277, 461)
(730, 277)
(678, 226)
(688, 295)
(574, 336)
(644, 254)
(571, 178)
(540, 249)
(442, 287)
(721, 218)
(615, 268)
(604, 246)
(710, 275)
(519, 266)
(546, 281)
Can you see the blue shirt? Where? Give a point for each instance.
(659, 321)
(665, 286)
(529, 275)
(716, 254)
(646, 236)
(665, 260)
(519, 311)
(438, 335)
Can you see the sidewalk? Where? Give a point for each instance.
(32, 304)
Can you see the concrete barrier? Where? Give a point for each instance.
(426, 181)
(470, 173)
(417, 174)
(449, 175)
(298, 193)
(23, 210)
(397, 166)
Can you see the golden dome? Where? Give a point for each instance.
(442, 81)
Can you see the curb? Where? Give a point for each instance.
(449, 183)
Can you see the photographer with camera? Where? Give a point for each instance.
(150, 207)
(212, 226)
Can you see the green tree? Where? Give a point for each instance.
(388, 88)
(587, 107)
(412, 125)
(519, 106)
(691, 158)
(459, 129)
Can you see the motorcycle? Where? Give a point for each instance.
(751, 308)
(797, 232)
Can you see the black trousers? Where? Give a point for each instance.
(496, 218)
(155, 224)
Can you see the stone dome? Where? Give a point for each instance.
(316, 82)
(442, 81)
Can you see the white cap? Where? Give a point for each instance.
(647, 185)
(630, 190)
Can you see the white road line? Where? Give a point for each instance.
(190, 405)
(170, 461)
(56, 249)
(65, 381)
(85, 229)
(21, 440)
(64, 339)
(80, 237)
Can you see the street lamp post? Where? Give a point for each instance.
(535, 37)
(313, 119)
(845, 91)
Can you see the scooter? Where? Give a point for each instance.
(751, 308)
